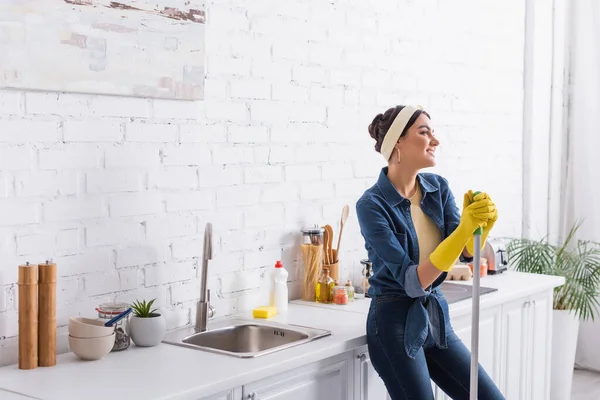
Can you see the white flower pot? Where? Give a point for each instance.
(565, 328)
(146, 332)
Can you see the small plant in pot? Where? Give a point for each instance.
(148, 327)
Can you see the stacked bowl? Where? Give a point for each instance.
(89, 339)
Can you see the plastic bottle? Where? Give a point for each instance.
(279, 288)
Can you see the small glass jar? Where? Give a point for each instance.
(350, 290)
(108, 311)
(340, 295)
(313, 235)
(483, 267)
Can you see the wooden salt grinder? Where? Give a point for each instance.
(28, 316)
(47, 314)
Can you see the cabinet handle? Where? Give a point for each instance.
(252, 396)
(526, 304)
(362, 357)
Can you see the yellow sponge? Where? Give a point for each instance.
(264, 312)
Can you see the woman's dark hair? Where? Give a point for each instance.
(382, 122)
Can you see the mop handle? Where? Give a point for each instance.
(475, 313)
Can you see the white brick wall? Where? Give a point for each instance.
(118, 190)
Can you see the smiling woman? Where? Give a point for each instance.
(414, 234)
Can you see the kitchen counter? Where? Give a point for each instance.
(509, 285)
(172, 372)
(6, 395)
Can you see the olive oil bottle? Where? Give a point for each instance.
(324, 288)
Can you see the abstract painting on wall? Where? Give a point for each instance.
(138, 48)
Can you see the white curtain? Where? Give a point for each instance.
(582, 200)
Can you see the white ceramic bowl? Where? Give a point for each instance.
(92, 348)
(81, 327)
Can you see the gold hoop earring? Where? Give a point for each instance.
(398, 151)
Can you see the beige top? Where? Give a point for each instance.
(428, 234)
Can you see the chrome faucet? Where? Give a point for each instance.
(204, 310)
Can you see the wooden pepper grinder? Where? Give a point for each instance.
(47, 314)
(28, 316)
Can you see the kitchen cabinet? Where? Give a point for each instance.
(527, 337)
(514, 345)
(514, 333)
(540, 344)
(490, 320)
(327, 379)
(514, 348)
(367, 383)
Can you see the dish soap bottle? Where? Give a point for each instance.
(279, 288)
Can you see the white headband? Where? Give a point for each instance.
(393, 134)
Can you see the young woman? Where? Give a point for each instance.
(414, 234)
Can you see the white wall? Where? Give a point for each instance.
(118, 190)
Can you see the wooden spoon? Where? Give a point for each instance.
(345, 212)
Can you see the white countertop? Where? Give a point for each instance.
(510, 285)
(6, 395)
(172, 372)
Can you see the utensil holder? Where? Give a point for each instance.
(28, 316)
(334, 271)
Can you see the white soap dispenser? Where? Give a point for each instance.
(279, 288)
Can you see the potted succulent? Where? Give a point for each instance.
(147, 326)
(578, 261)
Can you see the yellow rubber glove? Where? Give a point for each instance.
(493, 217)
(473, 216)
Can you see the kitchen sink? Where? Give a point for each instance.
(245, 338)
(455, 292)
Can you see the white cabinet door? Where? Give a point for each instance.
(540, 344)
(367, 383)
(233, 394)
(490, 320)
(328, 379)
(515, 345)
(526, 344)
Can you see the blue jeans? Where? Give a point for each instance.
(407, 378)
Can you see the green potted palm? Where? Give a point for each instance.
(147, 326)
(578, 261)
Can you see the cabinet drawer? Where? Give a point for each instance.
(328, 380)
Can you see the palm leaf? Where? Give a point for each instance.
(578, 261)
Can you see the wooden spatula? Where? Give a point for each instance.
(345, 212)
(325, 248)
(329, 230)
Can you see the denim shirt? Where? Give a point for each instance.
(391, 243)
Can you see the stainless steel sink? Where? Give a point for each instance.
(245, 338)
